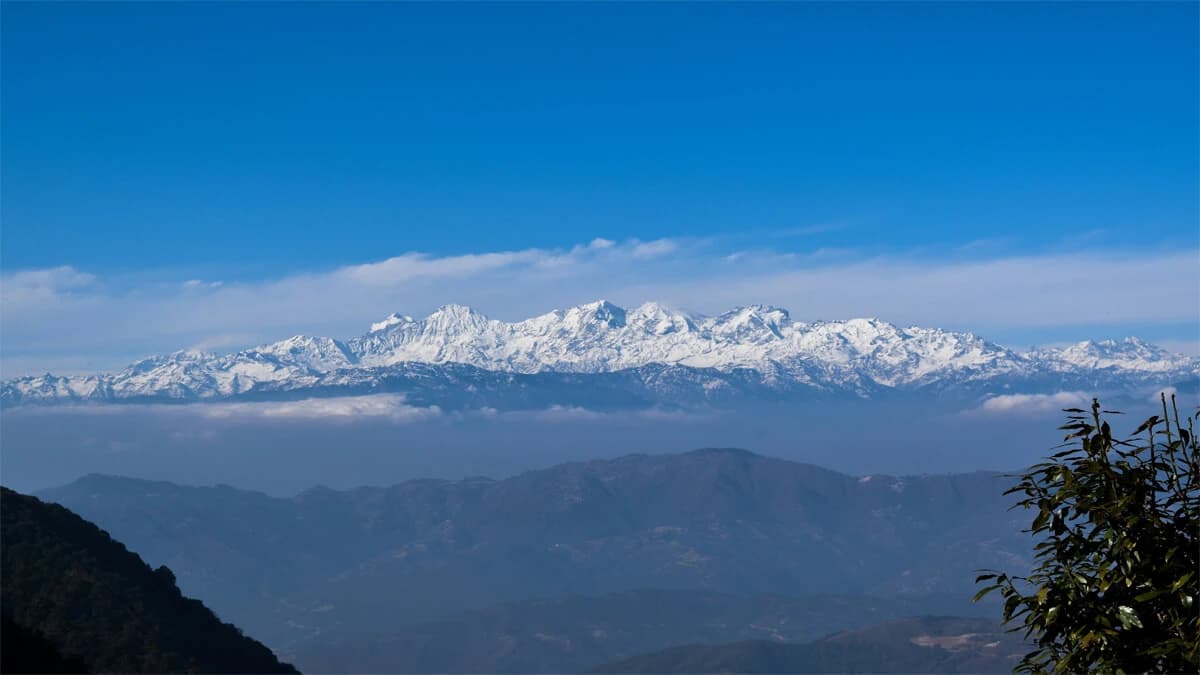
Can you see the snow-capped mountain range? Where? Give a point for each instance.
(600, 353)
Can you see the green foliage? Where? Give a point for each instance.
(1115, 583)
(64, 579)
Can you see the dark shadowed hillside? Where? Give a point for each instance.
(915, 645)
(328, 565)
(91, 599)
(24, 650)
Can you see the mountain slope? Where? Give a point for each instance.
(328, 562)
(94, 600)
(918, 645)
(759, 349)
(576, 633)
(24, 650)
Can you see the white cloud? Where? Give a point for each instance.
(412, 266)
(30, 288)
(1026, 291)
(349, 408)
(390, 407)
(61, 315)
(565, 414)
(63, 277)
(1023, 404)
(199, 283)
(653, 249)
(1168, 392)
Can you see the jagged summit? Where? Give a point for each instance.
(601, 305)
(857, 356)
(658, 319)
(1129, 352)
(455, 311)
(389, 321)
(602, 311)
(455, 317)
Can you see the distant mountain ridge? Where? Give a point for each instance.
(914, 645)
(650, 355)
(353, 562)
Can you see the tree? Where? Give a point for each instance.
(1114, 583)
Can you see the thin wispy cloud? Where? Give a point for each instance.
(200, 283)
(653, 249)
(56, 315)
(418, 266)
(559, 414)
(29, 288)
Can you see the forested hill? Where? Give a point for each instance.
(370, 561)
(100, 605)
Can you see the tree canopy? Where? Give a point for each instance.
(1114, 584)
(97, 603)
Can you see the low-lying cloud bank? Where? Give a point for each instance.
(348, 408)
(285, 447)
(67, 319)
(392, 408)
(1033, 403)
(1038, 404)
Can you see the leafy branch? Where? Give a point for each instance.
(1116, 579)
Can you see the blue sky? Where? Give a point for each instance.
(157, 156)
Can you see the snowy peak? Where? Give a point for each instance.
(393, 319)
(859, 357)
(319, 354)
(179, 359)
(1130, 353)
(603, 337)
(656, 319)
(601, 312)
(751, 322)
(1127, 348)
(454, 318)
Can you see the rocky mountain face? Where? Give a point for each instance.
(653, 355)
(328, 564)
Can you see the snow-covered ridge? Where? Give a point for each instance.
(602, 337)
(859, 356)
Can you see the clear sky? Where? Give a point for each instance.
(160, 156)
